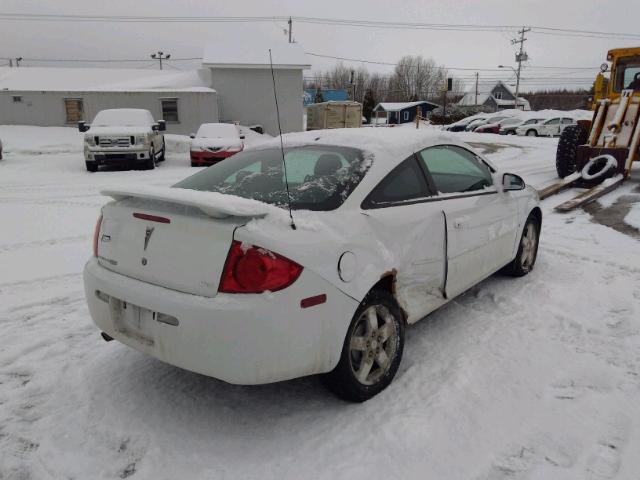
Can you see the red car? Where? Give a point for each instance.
(214, 142)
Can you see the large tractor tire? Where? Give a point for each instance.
(570, 139)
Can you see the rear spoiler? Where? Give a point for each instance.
(213, 204)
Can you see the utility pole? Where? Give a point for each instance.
(10, 62)
(521, 56)
(476, 101)
(352, 86)
(290, 22)
(160, 56)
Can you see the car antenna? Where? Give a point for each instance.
(284, 164)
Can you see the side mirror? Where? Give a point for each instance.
(242, 137)
(192, 135)
(82, 126)
(162, 125)
(511, 181)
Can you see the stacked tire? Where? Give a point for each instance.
(570, 139)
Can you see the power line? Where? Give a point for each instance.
(568, 32)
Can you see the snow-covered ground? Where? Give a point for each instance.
(531, 378)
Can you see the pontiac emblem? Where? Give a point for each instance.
(147, 237)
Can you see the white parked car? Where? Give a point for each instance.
(214, 142)
(510, 128)
(549, 128)
(390, 224)
(123, 136)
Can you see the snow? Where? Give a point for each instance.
(123, 117)
(633, 217)
(242, 53)
(217, 130)
(102, 79)
(530, 378)
(214, 204)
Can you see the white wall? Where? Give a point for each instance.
(246, 95)
(47, 108)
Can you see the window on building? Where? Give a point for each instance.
(170, 110)
(74, 109)
(17, 99)
(498, 95)
(406, 115)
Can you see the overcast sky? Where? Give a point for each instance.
(92, 40)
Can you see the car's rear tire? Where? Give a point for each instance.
(570, 139)
(527, 250)
(372, 349)
(91, 166)
(531, 133)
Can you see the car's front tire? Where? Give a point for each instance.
(372, 349)
(150, 163)
(91, 166)
(527, 250)
(532, 133)
(161, 158)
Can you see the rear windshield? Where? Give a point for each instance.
(320, 177)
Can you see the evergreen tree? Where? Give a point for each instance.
(368, 104)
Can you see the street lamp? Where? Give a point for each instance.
(160, 56)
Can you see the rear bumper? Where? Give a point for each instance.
(209, 158)
(242, 339)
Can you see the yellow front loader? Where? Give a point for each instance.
(599, 153)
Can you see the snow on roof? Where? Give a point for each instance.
(248, 54)
(485, 88)
(397, 106)
(388, 145)
(103, 79)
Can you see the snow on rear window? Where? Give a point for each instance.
(217, 130)
(320, 177)
(123, 117)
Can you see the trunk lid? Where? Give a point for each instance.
(175, 239)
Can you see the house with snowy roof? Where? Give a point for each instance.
(234, 84)
(493, 95)
(403, 112)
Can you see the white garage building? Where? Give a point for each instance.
(233, 85)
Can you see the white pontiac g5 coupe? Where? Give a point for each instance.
(390, 224)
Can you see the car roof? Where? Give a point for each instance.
(387, 146)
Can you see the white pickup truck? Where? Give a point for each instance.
(123, 136)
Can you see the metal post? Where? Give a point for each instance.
(476, 101)
(290, 22)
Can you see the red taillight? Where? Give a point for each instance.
(96, 235)
(256, 270)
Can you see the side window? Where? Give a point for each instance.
(74, 109)
(567, 121)
(555, 121)
(405, 182)
(170, 110)
(455, 170)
